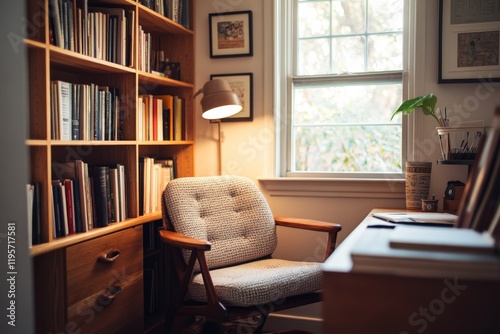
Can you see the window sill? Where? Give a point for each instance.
(344, 188)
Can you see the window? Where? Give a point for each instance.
(340, 66)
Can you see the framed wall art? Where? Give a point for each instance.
(230, 34)
(469, 41)
(242, 85)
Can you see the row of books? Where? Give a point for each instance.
(100, 32)
(85, 197)
(154, 174)
(155, 61)
(85, 112)
(161, 117)
(176, 10)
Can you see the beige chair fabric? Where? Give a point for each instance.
(260, 282)
(232, 214)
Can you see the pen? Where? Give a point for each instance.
(380, 226)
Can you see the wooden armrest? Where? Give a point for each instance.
(183, 241)
(307, 224)
(313, 225)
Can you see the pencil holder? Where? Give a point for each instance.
(460, 142)
(429, 205)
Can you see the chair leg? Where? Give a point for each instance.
(261, 323)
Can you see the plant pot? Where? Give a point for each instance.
(418, 181)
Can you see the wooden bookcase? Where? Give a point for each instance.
(48, 62)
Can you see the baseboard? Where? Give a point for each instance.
(276, 322)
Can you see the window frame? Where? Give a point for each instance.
(284, 77)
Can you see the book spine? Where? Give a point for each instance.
(100, 191)
(77, 206)
(36, 218)
(70, 213)
(123, 192)
(58, 212)
(55, 20)
(64, 92)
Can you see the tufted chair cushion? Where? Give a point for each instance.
(229, 211)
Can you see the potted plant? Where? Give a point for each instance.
(418, 174)
(426, 102)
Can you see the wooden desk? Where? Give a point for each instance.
(356, 302)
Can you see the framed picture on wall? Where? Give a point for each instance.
(230, 34)
(469, 41)
(242, 85)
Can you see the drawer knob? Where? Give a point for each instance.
(110, 256)
(111, 293)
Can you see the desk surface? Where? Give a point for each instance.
(340, 260)
(382, 303)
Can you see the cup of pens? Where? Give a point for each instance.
(459, 142)
(430, 205)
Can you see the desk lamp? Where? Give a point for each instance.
(219, 101)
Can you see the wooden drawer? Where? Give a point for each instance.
(104, 283)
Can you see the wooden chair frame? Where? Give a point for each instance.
(179, 275)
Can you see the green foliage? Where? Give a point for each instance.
(427, 103)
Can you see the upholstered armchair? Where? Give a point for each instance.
(220, 235)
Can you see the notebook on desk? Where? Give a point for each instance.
(417, 218)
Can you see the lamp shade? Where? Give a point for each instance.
(219, 100)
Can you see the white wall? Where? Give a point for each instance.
(249, 146)
(17, 285)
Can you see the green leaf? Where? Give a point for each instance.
(427, 103)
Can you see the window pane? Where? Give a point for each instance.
(349, 17)
(385, 15)
(346, 129)
(348, 54)
(348, 149)
(314, 56)
(385, 52)
(351, 103)
(314, 18)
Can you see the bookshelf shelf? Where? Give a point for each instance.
(166, 143)
(69, 240)
(35, 142)
(65, 143)
(34, 44)
(102, 112)
(148, 78)
(72, 60)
